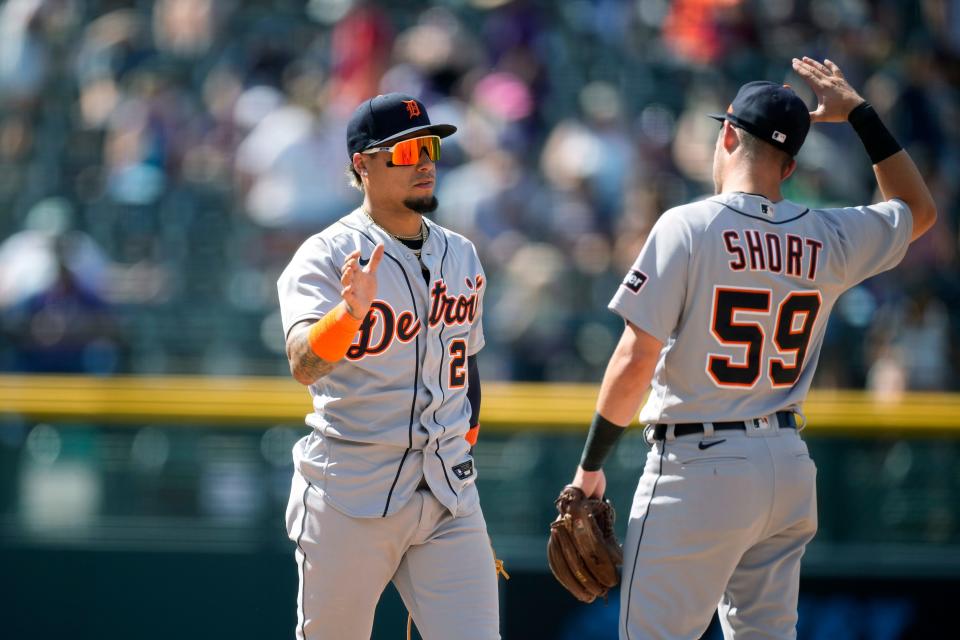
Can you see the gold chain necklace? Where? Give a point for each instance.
(421, 235)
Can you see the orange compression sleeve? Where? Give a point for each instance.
(331, 335)
(472, 434)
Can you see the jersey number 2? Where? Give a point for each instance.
(796, 315)
(458, 362)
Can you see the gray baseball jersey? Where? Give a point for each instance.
(739, 290)
(395, 410)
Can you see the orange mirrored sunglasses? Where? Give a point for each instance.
(407, 152)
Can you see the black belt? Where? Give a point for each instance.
(786, 420)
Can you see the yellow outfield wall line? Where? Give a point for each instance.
(252, 401)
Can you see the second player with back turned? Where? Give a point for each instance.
(725, 310)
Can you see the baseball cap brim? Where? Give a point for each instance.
(741, 124)
(442, 130)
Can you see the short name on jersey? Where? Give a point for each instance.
(383, 324)
(789, 254)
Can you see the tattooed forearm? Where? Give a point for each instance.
(305, 365)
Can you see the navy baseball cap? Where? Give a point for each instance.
(382, 120)
(771, 112)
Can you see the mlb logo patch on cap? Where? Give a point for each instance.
(771, 112)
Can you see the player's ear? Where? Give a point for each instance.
(788, 169)
(730, 138)
(358, 164)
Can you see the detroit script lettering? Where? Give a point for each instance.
(404, 326)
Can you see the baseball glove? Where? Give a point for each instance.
(583, 551)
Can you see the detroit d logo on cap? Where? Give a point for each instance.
(413, 109)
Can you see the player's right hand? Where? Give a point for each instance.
(835, 97)
(360, 282)
(592, 483)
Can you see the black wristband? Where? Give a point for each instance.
(601, 439)
(877, 140)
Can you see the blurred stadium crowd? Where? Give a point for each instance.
(160, 161)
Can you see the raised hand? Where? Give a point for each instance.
(835, 97)
(360, 282)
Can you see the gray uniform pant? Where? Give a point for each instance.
(442, 566)
(721, 528)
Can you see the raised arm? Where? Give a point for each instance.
(314, 347)
(897, 175)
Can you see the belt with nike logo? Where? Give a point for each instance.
(785, 419)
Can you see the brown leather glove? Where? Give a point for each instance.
(583, 551)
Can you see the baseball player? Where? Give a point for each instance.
(725, 309)
(382, 317)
